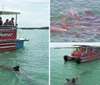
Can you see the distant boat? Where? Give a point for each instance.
(8, 34)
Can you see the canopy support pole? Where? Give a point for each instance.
(16, 21)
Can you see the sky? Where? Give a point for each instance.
(34, 13)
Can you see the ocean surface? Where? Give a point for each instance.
(88, 73)
(76, 6)
(32, 59)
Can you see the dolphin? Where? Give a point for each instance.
(16, 68)
(88, 13)
(71, 81)
(57, 28)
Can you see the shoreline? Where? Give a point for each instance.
(32, 28)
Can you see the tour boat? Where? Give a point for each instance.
(84, 53)
(8, 34)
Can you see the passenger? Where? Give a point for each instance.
(6, 22)
(11, 22)
(1, 22)
(77, 49)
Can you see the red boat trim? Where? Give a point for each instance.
(7, 44)
(7, 49)
(89, 59)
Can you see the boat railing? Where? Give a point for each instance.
(8, 27)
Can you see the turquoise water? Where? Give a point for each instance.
(32, 59)
(78, 34)
(88, 73)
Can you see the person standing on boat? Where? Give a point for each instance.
(83, 53)
(6, 23)
(1, 22)
(11, 22)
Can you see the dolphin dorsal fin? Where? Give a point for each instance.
(16, 68)
(67, 79)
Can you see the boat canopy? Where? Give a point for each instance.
(8, 13)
